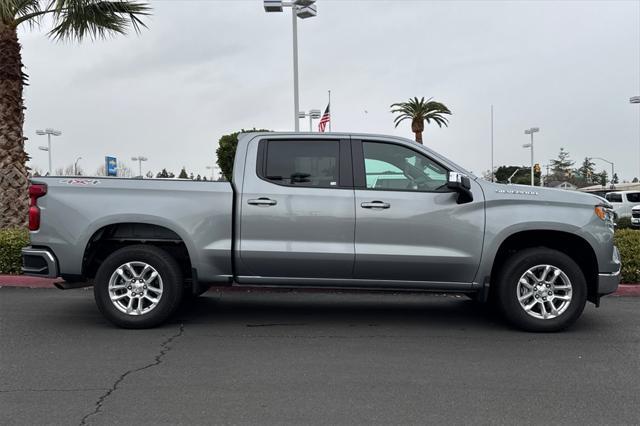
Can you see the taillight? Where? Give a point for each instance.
(36, 191)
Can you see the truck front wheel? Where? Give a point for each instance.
(138, 286)
(541, 289)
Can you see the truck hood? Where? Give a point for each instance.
(499, 191)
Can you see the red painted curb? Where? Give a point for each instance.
(632, 290)
(628, 290)
(27, 282)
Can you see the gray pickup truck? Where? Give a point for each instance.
(339, 211)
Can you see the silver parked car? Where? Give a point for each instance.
(348, 211)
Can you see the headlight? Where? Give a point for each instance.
(604, 213)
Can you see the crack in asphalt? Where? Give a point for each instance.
(156, 361)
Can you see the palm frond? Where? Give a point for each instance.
(78, 19)
(12, 9)
(419, 111)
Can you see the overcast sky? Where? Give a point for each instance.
(206, 68)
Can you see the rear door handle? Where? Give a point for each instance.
(375, 205)
(262, 202)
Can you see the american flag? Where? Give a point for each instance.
(326, 118)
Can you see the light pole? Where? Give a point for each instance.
(299, 9)
(531, 131)
(75, 166)
(139, 159)
(635, 100)
(213, 171)
(313, 113)
(612, 168)
(49, 132)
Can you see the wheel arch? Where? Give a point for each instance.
(109, 237)
(574, 246)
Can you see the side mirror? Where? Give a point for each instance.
(462, 185)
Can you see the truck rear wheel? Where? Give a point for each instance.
(542, 290)
(138, 286)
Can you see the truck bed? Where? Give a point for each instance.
(76, 209)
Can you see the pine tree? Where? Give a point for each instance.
(587, 172)
(604, 178)
(561, 167)
(183, 174)
(163, 174)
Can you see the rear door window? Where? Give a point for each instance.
(303, 163)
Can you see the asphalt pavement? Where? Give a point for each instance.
(313, 358)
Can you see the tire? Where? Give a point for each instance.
(565, 291)
(148, 273)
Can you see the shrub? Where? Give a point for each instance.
(628, 242)
(623, 223)
(11, 241)
(226, 151)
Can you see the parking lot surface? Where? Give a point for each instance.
(313, 358)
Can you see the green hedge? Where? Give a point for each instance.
(628, 242)
(11, 241)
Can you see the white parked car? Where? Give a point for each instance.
(635, 216)
(623, 201)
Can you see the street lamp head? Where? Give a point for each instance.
(43, 148)
(302, 114)
(53, 132)
(304, 12)
(304, 2)
(526, 145)
(40, 132)
(315, 113)
(142, 158)
(531, 130)
(273, 5)
(634, 99)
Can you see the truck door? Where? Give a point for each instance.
(297, 210)
(408, 224)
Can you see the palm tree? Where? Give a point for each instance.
(419, 111)
(72, 20)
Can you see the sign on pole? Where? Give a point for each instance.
(111, 166)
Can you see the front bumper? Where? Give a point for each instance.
(635, 221)
(39, 262)
(608, 282)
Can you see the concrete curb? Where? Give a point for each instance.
(627, 290)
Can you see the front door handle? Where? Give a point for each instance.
(375, 205)
(262, 202)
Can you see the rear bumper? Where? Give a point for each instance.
(39, 263)
(608, 282)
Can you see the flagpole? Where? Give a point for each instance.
(492, 175)
(330, 119)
